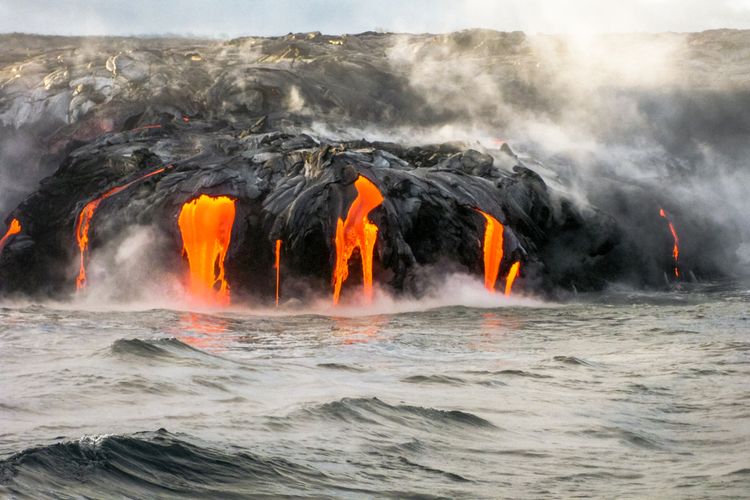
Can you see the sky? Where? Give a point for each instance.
(232, 18)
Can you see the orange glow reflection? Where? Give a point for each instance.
(203, 331)
(358, 330)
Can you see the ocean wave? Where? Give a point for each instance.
(572, 360)
(638, 438)
(433, 379)
(149, 465)
(508, 373)
(450, 475)
(151, 348)
(168, 349)
(373, 411)
(341, 366)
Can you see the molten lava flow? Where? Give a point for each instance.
(676, 248)
(83, 223)
(357, 232)
(146, 127)
(14, 228)
(277, 266)
(206, 227)
(512, 274)
(493, 250)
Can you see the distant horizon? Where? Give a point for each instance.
(190, 36)
(229, 19)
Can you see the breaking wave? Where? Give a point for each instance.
(150, 464)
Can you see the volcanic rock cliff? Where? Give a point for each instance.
(132, 130)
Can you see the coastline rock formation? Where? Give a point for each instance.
(293, 188)
(132, 129)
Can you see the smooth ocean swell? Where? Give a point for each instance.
(169, 350)
(372, 411)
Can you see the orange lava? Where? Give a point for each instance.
(14, 228)
(676, 248)
(277, 266)
(146, 127)
(357, 232)
(83, 224)
(206, 227)
(493, 250)
(512, 275)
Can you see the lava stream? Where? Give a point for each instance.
(206, 227)
(277, 266)
(676, 248)
(83, 223)
(493, 250)
(14, 228)
(512, 274)
(357, 232)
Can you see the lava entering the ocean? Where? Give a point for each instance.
(83, 223)
(512, 275)
(357, 232)
(676, 247)
(277, 266)
(493, 254)
(206, 227)
(14, 228)
(493, 249)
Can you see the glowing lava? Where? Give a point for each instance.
(83, 223)
(676, 248)
(206, 227)
(14, 228)
(277, 266)
(146, 127)
(357, 232)
(512, 275)
(493, 250)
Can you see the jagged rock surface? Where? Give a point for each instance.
(294, 188)
(270, 121)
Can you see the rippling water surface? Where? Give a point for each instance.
(623, 395)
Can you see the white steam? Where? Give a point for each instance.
(127, 271)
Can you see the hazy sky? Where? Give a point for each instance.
(230, 18)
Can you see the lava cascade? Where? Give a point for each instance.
(14, 228)
(676, 247)
(357, 232)
(277, 266)
(83, 224)
(206, 227)
(493, 250)
(512, 275)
